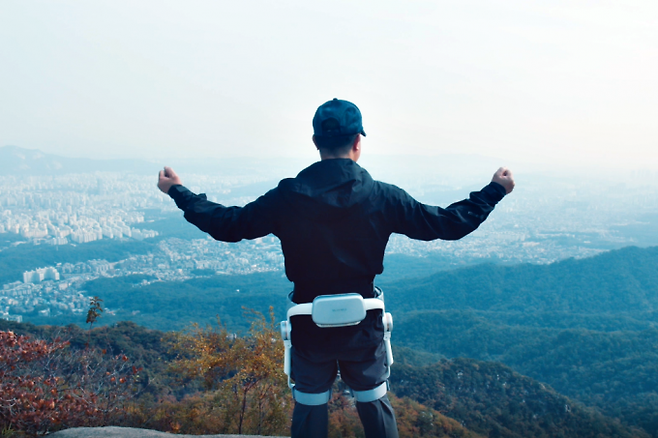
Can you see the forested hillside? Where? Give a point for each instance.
(616, 283)
(447, 398)
(492, 400)
(587, 328)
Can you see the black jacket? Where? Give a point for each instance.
(334, 222)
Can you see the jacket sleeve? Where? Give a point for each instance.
(228, 224)
(425, 222)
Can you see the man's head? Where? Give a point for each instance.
(337, 125)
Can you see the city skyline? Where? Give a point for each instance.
(58, 232)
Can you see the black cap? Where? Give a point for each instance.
(337, 118)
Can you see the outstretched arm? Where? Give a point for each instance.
(228, 224)
(168, 178)
(425, 222)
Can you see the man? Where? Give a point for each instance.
(334, 222)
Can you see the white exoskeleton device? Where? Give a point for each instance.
(338, 311)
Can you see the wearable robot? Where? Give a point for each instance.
(338, 311)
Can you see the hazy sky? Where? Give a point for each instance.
(555, 81)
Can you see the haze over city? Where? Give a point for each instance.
(559, 83)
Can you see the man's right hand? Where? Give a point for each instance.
(503, 176)
(168, 178)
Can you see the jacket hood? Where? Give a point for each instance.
(328, 189)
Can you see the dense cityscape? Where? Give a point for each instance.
(534, 225)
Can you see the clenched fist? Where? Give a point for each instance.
(168, 178)
(504, 177)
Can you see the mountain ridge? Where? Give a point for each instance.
(15, 160)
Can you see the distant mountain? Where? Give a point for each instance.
(615, 282)
(15, 160)
(398, 169)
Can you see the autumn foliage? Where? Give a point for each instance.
(199, 381)
(217, 382)
(45, 386)
(244, 387)
(413, 419)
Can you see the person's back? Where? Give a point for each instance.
(334, 222)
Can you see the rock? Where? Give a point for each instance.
(130, 432)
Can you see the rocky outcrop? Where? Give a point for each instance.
(129, 432)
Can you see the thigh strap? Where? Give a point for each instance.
(306, 398)
(372, 394)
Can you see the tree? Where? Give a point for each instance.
(94, 311)
(243, 376)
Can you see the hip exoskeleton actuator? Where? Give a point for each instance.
(340, 310)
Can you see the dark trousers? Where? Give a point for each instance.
(314, 371)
